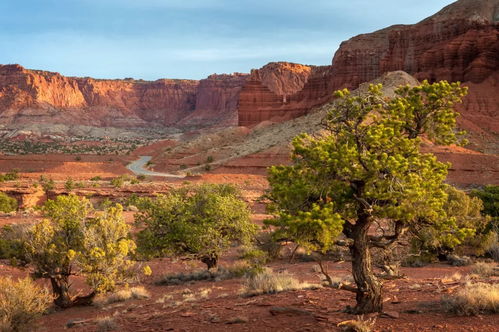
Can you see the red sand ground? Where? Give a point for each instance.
(419, 308)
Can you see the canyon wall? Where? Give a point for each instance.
(459, 43)
(33, 96)
(217, 100)
(282, 91)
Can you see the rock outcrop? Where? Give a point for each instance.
(33, 96)
(217, 100)
(282, 91)
(459, 43)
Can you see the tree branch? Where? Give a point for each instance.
(384, 241)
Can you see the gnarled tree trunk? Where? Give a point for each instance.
(60, 288)
(211, 260)
(368, 287)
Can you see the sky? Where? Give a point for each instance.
(151, 39)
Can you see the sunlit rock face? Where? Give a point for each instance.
(459, 43)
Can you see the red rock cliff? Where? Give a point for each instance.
(217, 100)
(282, 91)
(28, 96)
(459, 43)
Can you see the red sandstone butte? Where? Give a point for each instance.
(282, 91)
(459, 43)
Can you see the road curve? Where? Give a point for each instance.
(137, 167)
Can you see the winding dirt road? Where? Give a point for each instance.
(137, 167)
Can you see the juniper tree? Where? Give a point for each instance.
(74, 239)
(367, 169)
(199, 222)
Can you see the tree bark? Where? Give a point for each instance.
(211, 261)
(60, 288)
(368, 296)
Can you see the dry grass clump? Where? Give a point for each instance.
(484, 269)
(105, 324)
(453, 278)
(236, 271)
(21, 302)
(358, 325)
(134, 293)
(270, 282)
(474, 299)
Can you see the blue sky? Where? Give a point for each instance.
(152, 39)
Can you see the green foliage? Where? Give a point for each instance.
(69, 184)
(209, 159)
(118, 182)
(77, 240)
(470, 230)
(96, 178)
(490, 198)
(47, 184)
(200, 222)
(12, 247)
(7, 203)
(10, 176)
(367, 169)
(21, 302)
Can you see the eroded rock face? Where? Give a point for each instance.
(217, 100)
(459, 43)
(282, 91)
(32, 96)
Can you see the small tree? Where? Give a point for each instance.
(47, 184)
(7, 203)
(69, 185)
(77, 240)
(367, 170)
(198, 222)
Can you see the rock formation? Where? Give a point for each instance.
(32, 96)
(459, 43)
(282, 91)
(217, 100)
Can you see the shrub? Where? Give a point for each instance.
(490, 197)
(69, 184)
(47, 184)
(465, 212)
(106, 324)
(360, 324)
(484, 269)
(134, 293)
(221, 273)
(270, 282)
(77, 240)
(7, 203)
(209, 159)
(12, 247)
(474, 299)
(96, 178)
(10, 176)
(118, 182)
(198, 222)
(21, 302)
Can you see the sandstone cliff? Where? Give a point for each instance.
(459, 43)
(217, 100)
(33, 96)
(282, 91)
